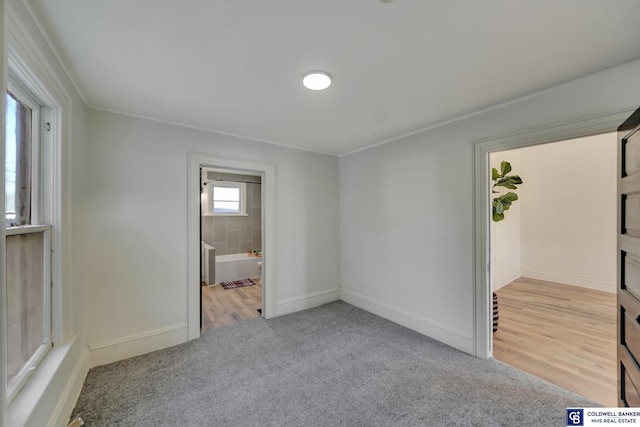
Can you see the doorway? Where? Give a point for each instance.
(231, 237)
(482, 336)
(553, 265)
(266, 171)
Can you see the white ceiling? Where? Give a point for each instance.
(235, 66)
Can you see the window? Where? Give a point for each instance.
(226, 198)
(28, 250)
(18, 158)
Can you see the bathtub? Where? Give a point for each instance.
(208, 263)
(236, 267)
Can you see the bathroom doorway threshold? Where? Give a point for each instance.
(197, 161)
(224, 307)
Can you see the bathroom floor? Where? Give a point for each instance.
(222, 307)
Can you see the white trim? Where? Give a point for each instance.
(454, 337)
(482, 346)
(584, 282)
(31, 365)
(482, 331)
(36, 403)
(53, 48)
(136, 344)
(29, 65)
(231, 171)
(26, 229)
(22, 54)
(490, 108)
(267, 170)
(303, 302)
(3, 287)
(63, 409)
(22, 94)
(211, 130)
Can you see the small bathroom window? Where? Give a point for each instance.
(226, 198)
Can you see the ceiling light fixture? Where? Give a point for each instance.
(316, 80)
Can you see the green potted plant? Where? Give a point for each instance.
(501, 203)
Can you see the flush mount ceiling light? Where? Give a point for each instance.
(316, 80)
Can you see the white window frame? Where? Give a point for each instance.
(40, 216)
(229, 184)
(23, 376)
(37, 112)
(24, 75)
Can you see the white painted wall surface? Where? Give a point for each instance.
(137, 208)
(406, 208)
(569, 212)
(505, 235)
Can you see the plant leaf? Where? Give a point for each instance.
(505, 167)
(494, 174)
(504, 202)
(500, 179)
(508, 182)
(498, 206)
(512, 197)
(516, 179)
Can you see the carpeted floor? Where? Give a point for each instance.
(334, 365)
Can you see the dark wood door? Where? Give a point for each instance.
(629, 262)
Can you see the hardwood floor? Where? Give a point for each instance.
(564, 334)
(222, 307)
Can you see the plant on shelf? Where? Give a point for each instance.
(503, 202)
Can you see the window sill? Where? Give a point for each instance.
(32, 396)
(227, 214)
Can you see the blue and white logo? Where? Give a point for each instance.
(575, 417)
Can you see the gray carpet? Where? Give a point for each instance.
(334, 365)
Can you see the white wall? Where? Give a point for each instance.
(505, 235)
(569, 212)
(416, 265)
(136, 204)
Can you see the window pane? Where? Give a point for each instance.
(10, 159)
(17, 163)
(25, 300)
(226, 193)
(229, 207)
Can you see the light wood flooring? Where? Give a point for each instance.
(222, 307)
(561, 333)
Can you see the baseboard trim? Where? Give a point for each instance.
(303, 302)
(571, 280)
(137, 344)
(504, 280)
(450, 336)
(71, 392)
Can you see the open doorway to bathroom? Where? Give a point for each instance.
(231, 230)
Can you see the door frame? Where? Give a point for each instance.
(482, 306)
(267, 172)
